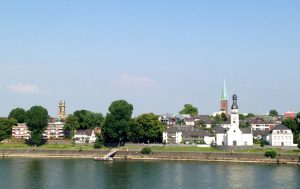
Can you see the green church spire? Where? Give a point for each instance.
(224, 91)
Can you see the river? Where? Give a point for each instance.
(87, 174)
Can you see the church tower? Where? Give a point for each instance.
(62, 115)
(224, 99)
(235, 119)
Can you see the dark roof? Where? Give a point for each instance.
(246, 130)
(87, 132)
(188, 130)
(280, 127)
(260, 121)
(261, 132)
(205, 118)
(220, 130)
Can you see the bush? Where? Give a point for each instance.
(99, 142)
(262, 144)
(146, 150)
(271, 154)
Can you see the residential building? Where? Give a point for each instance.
(204, 120)
(281, 136)
(54, 131)
(260, 124)
(289, 114)
(20, 131)
(85, 136)
(176, 134)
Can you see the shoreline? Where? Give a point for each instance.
(154, 156)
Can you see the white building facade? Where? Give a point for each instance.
(281, 136)
(232, 135)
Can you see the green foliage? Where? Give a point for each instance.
(85, 119)
(121, 110)
(36, 120)
(271, 154)
(242, 117)
(262, 144)
(293, 125)
(189, 109)
(220, 118)
(298, 144)
(71, 125)
(36, 138)
(6, 125)
(18, 114)
(146, 151)
(250, 115)
(99, 142)
(117, 122)
(146, 128)
(256, 141)
(245, 124)
(200, 124)
(298, 115)
(273, 113)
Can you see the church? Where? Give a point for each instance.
(231, 134)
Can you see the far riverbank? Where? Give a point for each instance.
(160, 156)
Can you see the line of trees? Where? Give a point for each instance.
(117, 126)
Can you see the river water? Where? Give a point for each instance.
(88, 174)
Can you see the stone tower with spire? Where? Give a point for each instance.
(224, 99)
(62, 115)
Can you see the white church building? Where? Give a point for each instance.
(232, 135)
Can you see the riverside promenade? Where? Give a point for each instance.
(136, 155)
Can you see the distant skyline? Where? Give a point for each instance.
(157, 55)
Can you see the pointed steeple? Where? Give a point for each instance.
(224, 91)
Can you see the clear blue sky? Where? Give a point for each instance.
(157, 55)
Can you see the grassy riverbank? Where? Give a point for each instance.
(154, 148)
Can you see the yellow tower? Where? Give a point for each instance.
(62, 115)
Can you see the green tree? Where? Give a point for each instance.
(149, 128)
(99, 142)
(86, 119)
(36, 120)
(189, 109)
(242, 117)
(271, 154)
(6, 125)
(273, 113)
(18, 114)
(245, 124)
(117, 122)
(250, 115)
(262, 144)
(146, 151)
(224, 117)
(71, 125)
(298, 116)
(293, 125)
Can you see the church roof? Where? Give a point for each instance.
(221, 130)
(224, 91)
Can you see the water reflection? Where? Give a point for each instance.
(34, 174)
(88, 174)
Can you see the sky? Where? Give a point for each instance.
(157, 55)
